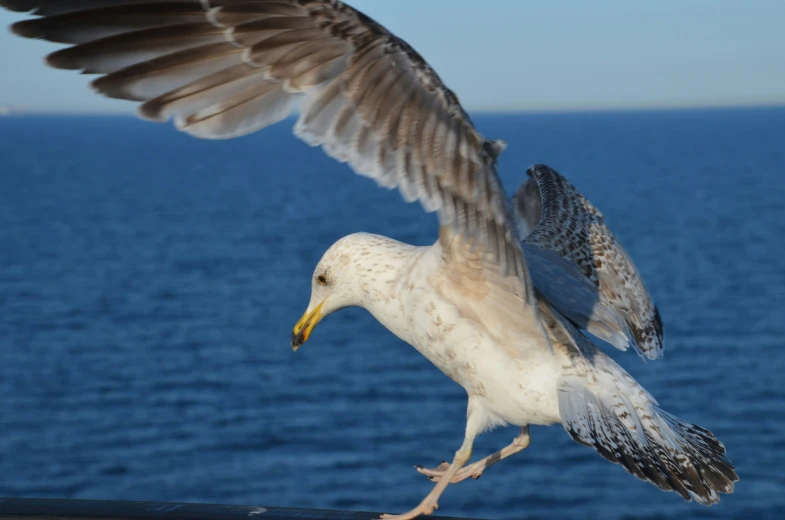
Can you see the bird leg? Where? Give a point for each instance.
(474, 425)
(474, 470)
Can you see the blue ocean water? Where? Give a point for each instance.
(149, 283)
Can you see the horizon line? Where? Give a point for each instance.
(11, 110)
(7, 110)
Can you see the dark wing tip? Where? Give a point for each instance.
(658, 323)
(27, 28)
(20, 6)
(64, 59)
(649, 336)
(556, 193)
(33, 28)
(537, 170)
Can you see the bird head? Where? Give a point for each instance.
(332, 286)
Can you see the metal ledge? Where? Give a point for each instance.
(48, 509)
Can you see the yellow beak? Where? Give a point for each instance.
(304, 327)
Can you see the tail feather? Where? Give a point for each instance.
(603, 407)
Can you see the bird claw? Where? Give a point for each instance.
(435, 474)
(438, 471)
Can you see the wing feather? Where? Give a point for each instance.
(225, 68)
(598, 288)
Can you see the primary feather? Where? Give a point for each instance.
(603, 407)
(225, 68)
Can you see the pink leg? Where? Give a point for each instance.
(473, 427)
(520, 443)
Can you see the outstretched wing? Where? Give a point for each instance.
(580, 267)
(224, 68)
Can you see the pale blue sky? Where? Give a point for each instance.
(526, 55)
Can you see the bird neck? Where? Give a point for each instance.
(385, 280)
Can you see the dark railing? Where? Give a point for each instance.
(48, 509)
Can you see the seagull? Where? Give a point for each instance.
(514, 297)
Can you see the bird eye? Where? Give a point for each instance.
(321, 279)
